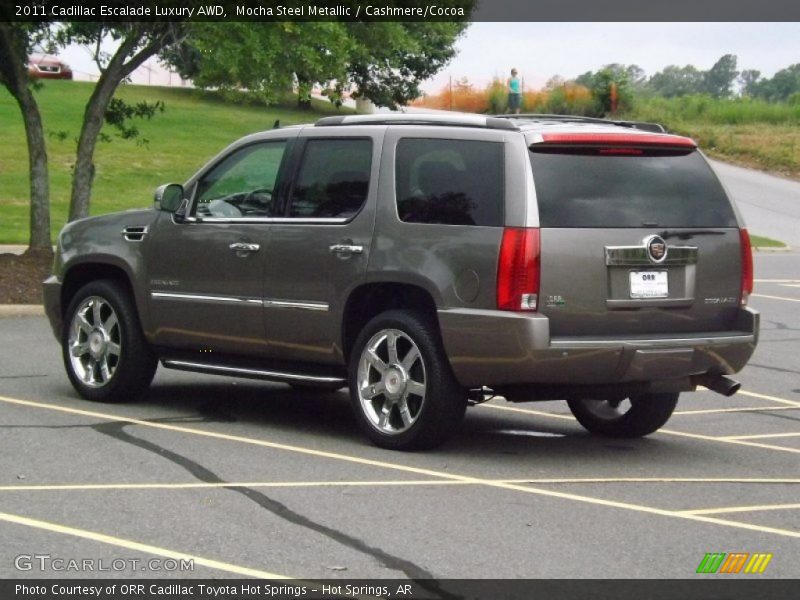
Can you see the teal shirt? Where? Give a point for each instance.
(514, 85)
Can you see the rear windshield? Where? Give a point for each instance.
(583, 188)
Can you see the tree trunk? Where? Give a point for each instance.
(40, 240)
(13, 75)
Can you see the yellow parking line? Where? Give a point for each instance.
(709, 438)
(377, 483)
(794, 403)
(709, 411)
(775, 297)
(762, 436)
(528, 411)
(735, 509)
(138, 546)
(408, 469)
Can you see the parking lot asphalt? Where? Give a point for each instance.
(251, 479)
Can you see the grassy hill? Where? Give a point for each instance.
(193, 128)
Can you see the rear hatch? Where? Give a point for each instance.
(638, 236)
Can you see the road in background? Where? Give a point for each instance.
(770, 205)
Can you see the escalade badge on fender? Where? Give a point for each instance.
(656, 249)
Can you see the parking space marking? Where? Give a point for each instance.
(138, 546)
(528, 411)
(735, 509)
(709, 411)
(377, 483)
(650, 510)
(794, 403)
(776, 280)
(761, 436)
(775, 297)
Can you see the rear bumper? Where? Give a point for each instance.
(51, 293)
(496, 348)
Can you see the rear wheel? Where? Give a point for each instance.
(105, 353)
(403, 391)
(631, 418)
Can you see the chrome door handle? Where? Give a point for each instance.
(244, 247)
(346, 249)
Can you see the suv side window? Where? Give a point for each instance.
(451, 182)
(333, 178)
(242, 185)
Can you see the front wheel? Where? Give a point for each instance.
(403, 391)
(105, 353)
(631, 418)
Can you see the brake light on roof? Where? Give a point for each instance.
(518, 269)
(618, 139)
(747, 266)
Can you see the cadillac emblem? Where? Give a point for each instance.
(656, 249)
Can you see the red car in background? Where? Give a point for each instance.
(46, 66)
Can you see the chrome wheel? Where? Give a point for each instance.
(94, 342)
(607, 410)
(391, 382)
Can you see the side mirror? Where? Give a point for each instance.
(168, 197)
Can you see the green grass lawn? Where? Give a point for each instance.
(192, 129)
(758, 241)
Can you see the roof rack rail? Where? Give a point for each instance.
(448, 120)
(642, 125)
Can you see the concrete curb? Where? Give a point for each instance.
(772, 249)
(21, 310)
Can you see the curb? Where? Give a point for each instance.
(21, 310)
(769, 249)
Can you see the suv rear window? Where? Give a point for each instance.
(583, 188)
(451, 182)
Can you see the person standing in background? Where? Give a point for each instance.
(514, 93)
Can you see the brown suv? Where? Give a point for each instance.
(422, 261)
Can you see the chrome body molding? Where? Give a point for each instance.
(268, 220)
(690, 342)
(203, 298)
(135, 233)
(265, 302)
(273, 375)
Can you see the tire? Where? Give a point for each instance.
(105, 354)
(642, 416)
(415, 376)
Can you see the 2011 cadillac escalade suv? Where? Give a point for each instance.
(419, 260)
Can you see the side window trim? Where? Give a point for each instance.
(279, 190)
(296, 159)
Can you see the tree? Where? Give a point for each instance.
(136, 43)
(718, 80)
(385, 61)
(16, 41)
(781, 86)
(749, 80)
(676, 81)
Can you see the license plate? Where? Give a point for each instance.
(649, 284)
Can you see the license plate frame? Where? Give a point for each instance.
(648, 285)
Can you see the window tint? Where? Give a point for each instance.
(333, 179)
(586, 189)
(242, 184)
(454, 182)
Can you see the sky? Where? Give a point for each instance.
(541, 50)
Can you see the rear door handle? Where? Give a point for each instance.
(346, 249)
(244, 247)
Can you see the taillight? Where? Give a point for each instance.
(747, 266)
(518, 269)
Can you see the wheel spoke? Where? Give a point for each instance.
(83, 324)
(376, 362)
(96, 306)
(369, 392)
(79, 349)
(410, 358)
(391, 344)
(405, 413)
(105, 373)
(88, 374)
(113, 348)
(110, 322)
(416, 388)
(386, 412)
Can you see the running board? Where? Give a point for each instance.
(254, 373)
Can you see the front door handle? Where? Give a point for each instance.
(345, 249)
(244, 247)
